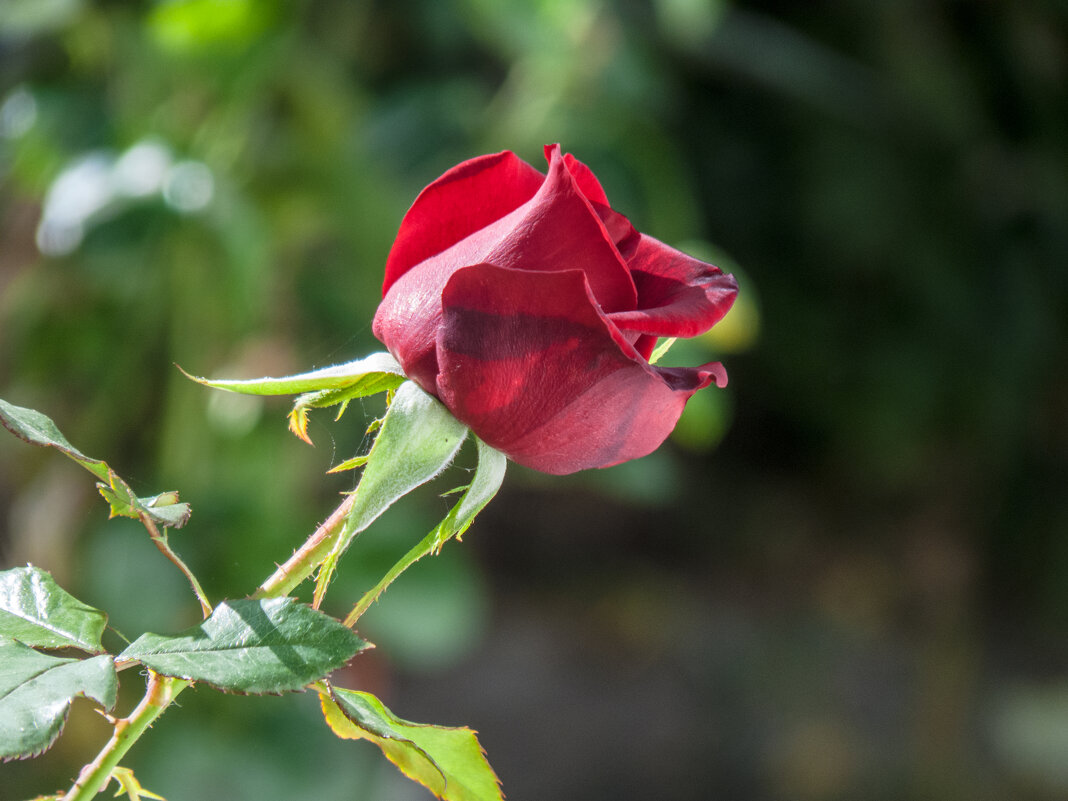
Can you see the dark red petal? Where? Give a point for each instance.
(620, 231)
(678, 296)
(559, 230)
(623, 234)
(645, 344)
(532, 365)
(554, 230)
(407, 322)
(583, 175)
(468, 197)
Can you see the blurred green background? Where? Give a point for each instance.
(847, 574)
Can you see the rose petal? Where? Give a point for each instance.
(559, 230)
(556, 229)
(583, 175)
(407, 322)
(622, 233)
(678, 296)
(645, 344)
(465, 199)
(532, 365)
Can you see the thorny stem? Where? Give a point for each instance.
(308, 557)
(162, 690)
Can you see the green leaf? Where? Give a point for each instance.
(418, 439)
(488, 478)
(124, 503)
(39, 429)
(447, 761)
(263, 646)
(375, 373)
(165, 508)
(36, 691)
(38, 612)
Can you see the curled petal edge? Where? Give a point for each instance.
(606, 404)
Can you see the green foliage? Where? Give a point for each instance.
(265, 646)
(447, 761)
(367, 376)
(329, 386)
(38, 612)
(418, 439)
(487, 480)
(39, 429)
(36, 691)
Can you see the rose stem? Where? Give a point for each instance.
(162, 690)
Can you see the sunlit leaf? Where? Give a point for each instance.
(447, 761)
(38, 612)
(329, 386)
(374, 373)
(39, 429)
(36, 691)
(246, 646)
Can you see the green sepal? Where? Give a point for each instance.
(419, 438)
(483, 487)
(350, 464)
(661, 349)
(252, 646)
(298, 415)
(39, 429)
(318, 389)
(36, 691)
(36, 611)
(374, 373)
(448, 761)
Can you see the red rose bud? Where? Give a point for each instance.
(530, 309)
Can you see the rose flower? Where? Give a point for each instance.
(530, 308)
